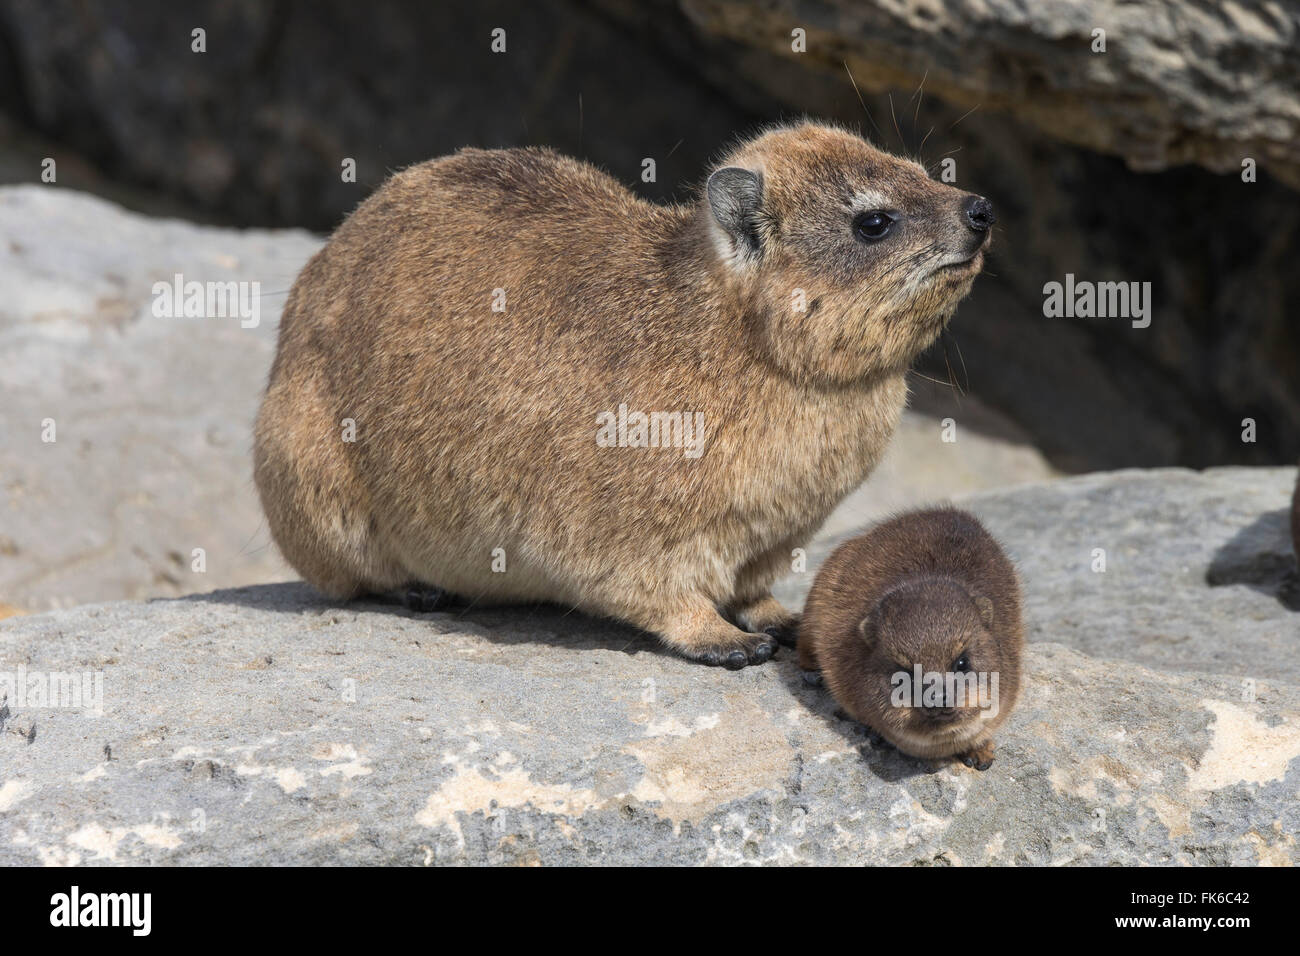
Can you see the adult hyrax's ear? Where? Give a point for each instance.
(735, 197)
(984, 605)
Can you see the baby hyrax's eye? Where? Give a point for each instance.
(871, 226)
(962, 664)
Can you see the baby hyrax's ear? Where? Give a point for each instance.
(735, 198)
(884, 613)
(984, 605)
(869, 627)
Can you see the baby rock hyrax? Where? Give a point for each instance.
(507, 378)
(916, 629)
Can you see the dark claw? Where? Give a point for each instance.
(984, 766)
(968, 760)
(763, 652)
(812, 678)
(735, 661)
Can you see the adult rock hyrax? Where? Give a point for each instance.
(509, 379)
(926, 593)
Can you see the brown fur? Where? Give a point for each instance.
(922, 588)
(476, 429)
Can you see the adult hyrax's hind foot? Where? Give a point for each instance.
(703, 635)
(981, 757)
(425, 599)
(768, 616)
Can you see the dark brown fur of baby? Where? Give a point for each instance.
(929, 588)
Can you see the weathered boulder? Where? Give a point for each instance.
(1176, 82)
(263, 725)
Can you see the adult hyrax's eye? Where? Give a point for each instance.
(870, 226)
(961, 664)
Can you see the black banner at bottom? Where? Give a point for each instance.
(338, 904)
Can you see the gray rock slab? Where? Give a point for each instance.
(264, 725)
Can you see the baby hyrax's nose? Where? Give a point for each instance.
(979, 213)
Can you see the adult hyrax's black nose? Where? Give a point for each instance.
(979, 213)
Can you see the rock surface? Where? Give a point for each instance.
(1178, 82)
(263, 725)
(153, 416)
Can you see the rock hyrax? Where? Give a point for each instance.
(926, 593)
(508, 378)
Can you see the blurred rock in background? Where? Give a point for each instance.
(1123, 165)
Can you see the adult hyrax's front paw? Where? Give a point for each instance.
(981, 757)
(755, 649)
(702, 634)
(769, 616)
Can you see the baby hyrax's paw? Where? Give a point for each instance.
(981, 757)
(785, 633)
(768, 616)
